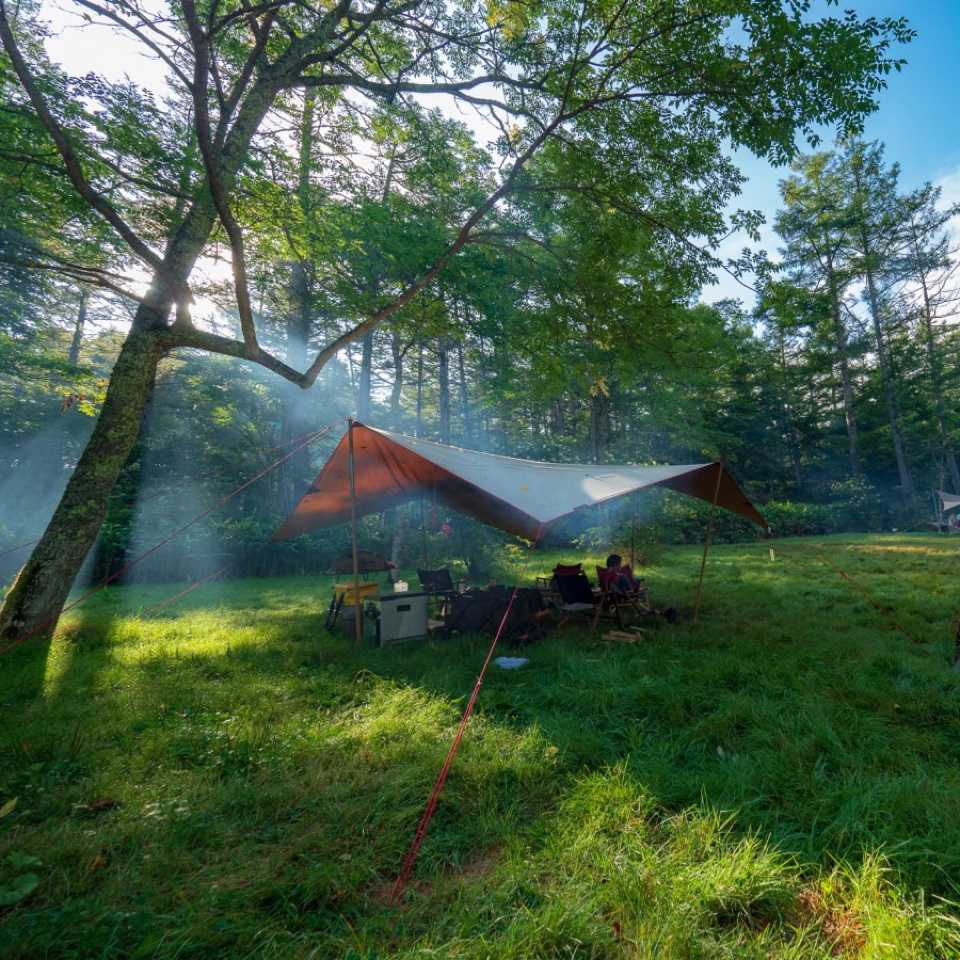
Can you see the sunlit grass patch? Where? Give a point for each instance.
(226, 778)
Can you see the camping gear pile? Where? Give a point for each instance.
(481, 611)
(578, 599)
(373, 470)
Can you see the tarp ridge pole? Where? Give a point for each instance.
(706, 544)
(358, 604)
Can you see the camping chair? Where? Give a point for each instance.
(547, 585)
(614, 600)
(440, 585)
(578, 600)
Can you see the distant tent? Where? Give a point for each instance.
(522, 497)
(949, 501)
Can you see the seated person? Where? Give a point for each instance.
(622, 579)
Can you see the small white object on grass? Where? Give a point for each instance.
(510, 663)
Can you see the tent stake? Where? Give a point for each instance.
(358, 604)
(706, 544)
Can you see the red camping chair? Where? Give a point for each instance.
(613, 600)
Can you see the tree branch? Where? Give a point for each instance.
(72, 163)
(440, 264)
(201, 71)
(214, 343)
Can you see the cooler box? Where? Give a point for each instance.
(402, 616)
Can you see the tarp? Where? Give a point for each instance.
(520, 496)
(950, 501)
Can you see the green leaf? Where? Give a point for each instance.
(8, 807)
(22, 887)
(21, 860)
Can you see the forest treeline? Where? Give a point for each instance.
(540, 296)
(833, 397)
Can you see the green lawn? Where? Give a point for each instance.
(226, 779)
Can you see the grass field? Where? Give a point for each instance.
(226, 779)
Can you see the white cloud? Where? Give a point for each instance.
(949, 184)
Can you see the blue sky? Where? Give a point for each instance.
(918, 118)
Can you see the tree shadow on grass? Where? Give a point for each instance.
(831, 741)
(281, 773)
(272, 790)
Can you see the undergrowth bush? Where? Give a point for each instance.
(851, 506)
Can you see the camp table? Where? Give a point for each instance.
(344, 596)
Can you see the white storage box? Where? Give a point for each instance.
(402, 616)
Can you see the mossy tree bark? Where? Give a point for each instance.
(39, 591)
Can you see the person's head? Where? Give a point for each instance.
(614, 560)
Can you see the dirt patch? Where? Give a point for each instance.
(842, 929)
(475, 868)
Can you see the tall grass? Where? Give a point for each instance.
(227, 779)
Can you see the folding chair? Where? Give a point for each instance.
(547, 585)
(613, 600)
(578, 600)
(439, 584)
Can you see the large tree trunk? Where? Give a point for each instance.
(557, 419)
(846, 383)
(465, 398)
(599, 425)
(419, 428)
(365, 380)
(789, 416)
(36, 597)
(886, 379)
(294, 474)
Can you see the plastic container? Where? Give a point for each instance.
(401, 586)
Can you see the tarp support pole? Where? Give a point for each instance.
(633, 533)
(706, 544)
(358, 603)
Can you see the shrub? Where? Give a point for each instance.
(851, 506)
